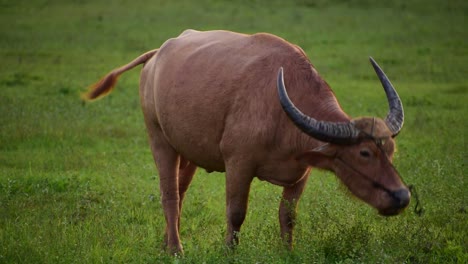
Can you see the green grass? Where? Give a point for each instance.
(78, 184)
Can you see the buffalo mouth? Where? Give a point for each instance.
(390, 211)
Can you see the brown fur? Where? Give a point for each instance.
(209, 100)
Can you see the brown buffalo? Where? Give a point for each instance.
(217, 100)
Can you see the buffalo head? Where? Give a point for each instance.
(360, 151)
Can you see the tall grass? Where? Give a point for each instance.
(78, 184)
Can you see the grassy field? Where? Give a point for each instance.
(78, 184)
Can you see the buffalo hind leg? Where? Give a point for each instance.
(186, 172)
(167, 162)
(287, 210)
(238, 182)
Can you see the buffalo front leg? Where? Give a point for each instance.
(287, 210)
(237, 195)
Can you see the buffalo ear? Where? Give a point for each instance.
(321, 157)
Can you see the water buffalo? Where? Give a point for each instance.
(217, 100)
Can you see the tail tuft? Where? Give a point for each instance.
(101, 88)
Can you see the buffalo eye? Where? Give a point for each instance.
(365, 153)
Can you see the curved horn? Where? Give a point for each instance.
(395, 116)
(333, 132)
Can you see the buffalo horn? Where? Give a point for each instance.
(332, 132)
(395, 116)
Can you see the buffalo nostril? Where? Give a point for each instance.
(402, 197)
